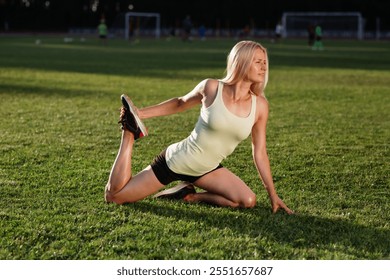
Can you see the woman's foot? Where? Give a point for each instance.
(179, 192)
(130, 120)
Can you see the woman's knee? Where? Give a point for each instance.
(117, 199)
(248, 201)
(111, 197)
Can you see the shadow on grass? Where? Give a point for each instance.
(301, 231)
(43, 90)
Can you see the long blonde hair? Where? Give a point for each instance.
(238, 63)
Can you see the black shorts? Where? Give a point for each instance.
(166, 175)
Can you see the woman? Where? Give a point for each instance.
(231, 109)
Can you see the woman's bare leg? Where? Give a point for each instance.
(223, 188)
(122, 186)
(138, 187)
(121, 170)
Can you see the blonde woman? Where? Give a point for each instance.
(231, 109)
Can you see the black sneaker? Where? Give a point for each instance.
(179, 192)
(130, 120)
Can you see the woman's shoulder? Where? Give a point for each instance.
(211, 82)
(262, 106)
(210, 85)
(261, 100)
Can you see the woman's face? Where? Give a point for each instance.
(258, 67)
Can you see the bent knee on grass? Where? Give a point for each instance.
(247, 202)
(118, 198)
(110, 197)
(244, 198)
(244, 202)
(219, 200)
(115, 196)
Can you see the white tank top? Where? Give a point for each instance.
(215, 136)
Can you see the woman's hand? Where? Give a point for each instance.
(277, 204)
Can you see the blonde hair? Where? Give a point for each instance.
(238, 63)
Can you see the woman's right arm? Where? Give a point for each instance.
(175, 105)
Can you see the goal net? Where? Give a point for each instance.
(142, 25)
(336, 25)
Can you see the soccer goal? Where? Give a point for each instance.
(334, 24)
(142, 24)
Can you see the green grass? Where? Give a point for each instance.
(328, 142)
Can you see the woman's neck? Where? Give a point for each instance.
(239, 92)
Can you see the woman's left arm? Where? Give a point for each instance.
(260, 155)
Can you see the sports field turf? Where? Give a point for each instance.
(328, 142)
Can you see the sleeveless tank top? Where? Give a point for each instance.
(215, 136)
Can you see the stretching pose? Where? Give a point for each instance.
(231, 109)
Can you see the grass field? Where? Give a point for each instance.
(328, 142)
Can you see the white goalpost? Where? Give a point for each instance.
(142, 24)
(334, 24)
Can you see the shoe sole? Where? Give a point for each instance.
(127, 103)
(173, 190)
